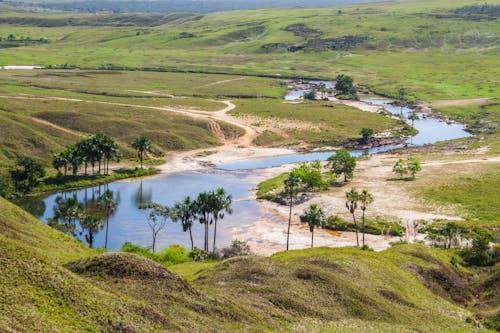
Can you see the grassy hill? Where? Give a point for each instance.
(50, 282)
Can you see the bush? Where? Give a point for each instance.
(373, 227)
(6, 185)
(172, 255)
(198, 254)
(237, 248)
(480, 253)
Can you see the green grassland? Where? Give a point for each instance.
(50, 281)
(326, 123)
(124, 105)
(426, 46)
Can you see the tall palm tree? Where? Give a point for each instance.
(352, 198)
(203, 205)
(314, 217)
(74, 158)
(185, 212)
(221, 205)
(365, 199)
(108, 202)
(142, 145)
(60, 160)
(292, 184)
(93, 225)
(110, 150)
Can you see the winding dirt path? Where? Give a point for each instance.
(57, 127)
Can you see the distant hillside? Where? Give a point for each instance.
(51, 282)
(173, 6)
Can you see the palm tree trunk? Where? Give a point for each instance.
(215, 233)
(363, 228)
(289, 223)
(140, 157)
(312, 238)
(356, 228)
(191, 236)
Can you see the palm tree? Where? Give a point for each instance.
(402, 93)
(185, 212)
(292, 183)
(142, 145)
(68, 210)
(365, 199)
(60, 160)
(221, 205)
(412, 116)
(108, 202)
(314, 217)
(74, 158)
(352, 198)
(93, 225)
(110, 150)
(203, 210)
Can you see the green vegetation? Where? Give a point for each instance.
(132, 291)
(26, 173)
(377, 226)
(472, 192)
(434, 47)
(342, 163)
(410, 166)
(314, 217)
(317, 123)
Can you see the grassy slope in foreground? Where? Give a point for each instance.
(50, 281)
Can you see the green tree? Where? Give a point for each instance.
(75, 158)
(479, 254)
(157, 219)
(365, 199)
(204, 203)
(410, 166)
(314, 217)
(110, 151)
(310, 95)
(323, 89)
(366, 134)
(59, 161)
(142, 145)
(108, 202)
(310, 175)
(25, 174)
(343, 163)
(344, 85)
(452, 232)
(93, 225)
(414, 166)
(185, 211)
(402, 94)
(292, 185)
(413, 116)
(221, 205)
(352, 198)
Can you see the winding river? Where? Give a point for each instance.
(128, 223)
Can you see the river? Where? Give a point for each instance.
(128, 223)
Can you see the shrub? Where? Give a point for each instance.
(480, 253)
(373, 227)
(174, 254)
(198, 254)
(237, 248)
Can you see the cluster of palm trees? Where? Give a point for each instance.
(208, 208)
(90, 215)
(98, 149)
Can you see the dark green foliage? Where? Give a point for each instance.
(237, 248)
(310, 175)
(480, 253)
(310, 95)
(26, 174)
(315, 218)
(6, 184)
(344, 86)
(343, 163)
(366, 134)
(374, 227)
(143, 145)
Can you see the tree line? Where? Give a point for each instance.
(98, 149)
